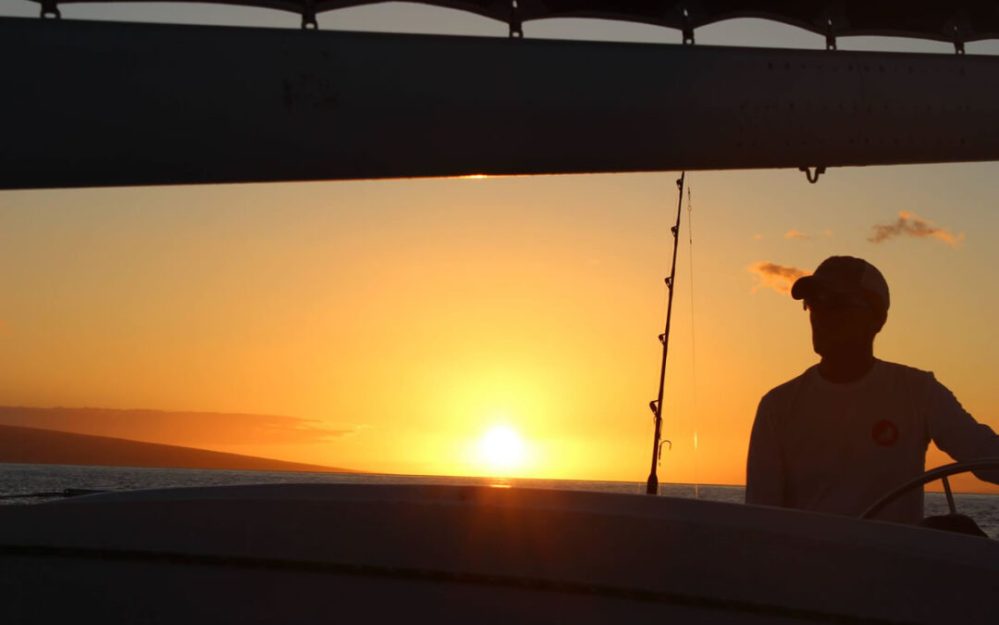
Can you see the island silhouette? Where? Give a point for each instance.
(39, 446)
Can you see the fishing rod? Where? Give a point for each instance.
(656, 405)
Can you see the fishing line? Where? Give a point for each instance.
(693, 344)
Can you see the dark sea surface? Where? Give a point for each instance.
(31, 479)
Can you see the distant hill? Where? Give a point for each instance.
(37, 446)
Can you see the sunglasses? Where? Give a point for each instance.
(835, 302)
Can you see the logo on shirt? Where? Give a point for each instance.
(884, 433)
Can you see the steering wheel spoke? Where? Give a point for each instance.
(950, 495)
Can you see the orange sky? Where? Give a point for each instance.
(414, 315)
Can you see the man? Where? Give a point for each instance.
(850, 429)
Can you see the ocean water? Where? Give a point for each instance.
(24, 484)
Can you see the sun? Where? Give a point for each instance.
(501, 448)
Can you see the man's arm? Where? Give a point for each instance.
(764, 467)
(957, 433)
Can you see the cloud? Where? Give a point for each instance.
(192, 429)
(796, 234)
(773, 276)
(910, 224)
(757, 237)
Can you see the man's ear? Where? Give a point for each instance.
(879, 321)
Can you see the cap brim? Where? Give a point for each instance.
(808, 286)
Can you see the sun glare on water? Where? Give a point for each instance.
(501, 448)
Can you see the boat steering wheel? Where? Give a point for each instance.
(940, 473)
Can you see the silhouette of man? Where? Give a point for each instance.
(851, 428)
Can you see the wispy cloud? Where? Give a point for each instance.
(910, 224)
(773, 276)
(796, 234)
(758, 237)
(193, 429)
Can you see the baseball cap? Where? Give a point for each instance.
(846, 274)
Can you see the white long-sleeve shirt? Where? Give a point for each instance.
(837, 448)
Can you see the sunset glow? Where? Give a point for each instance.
(388, 326)
(501, 448)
